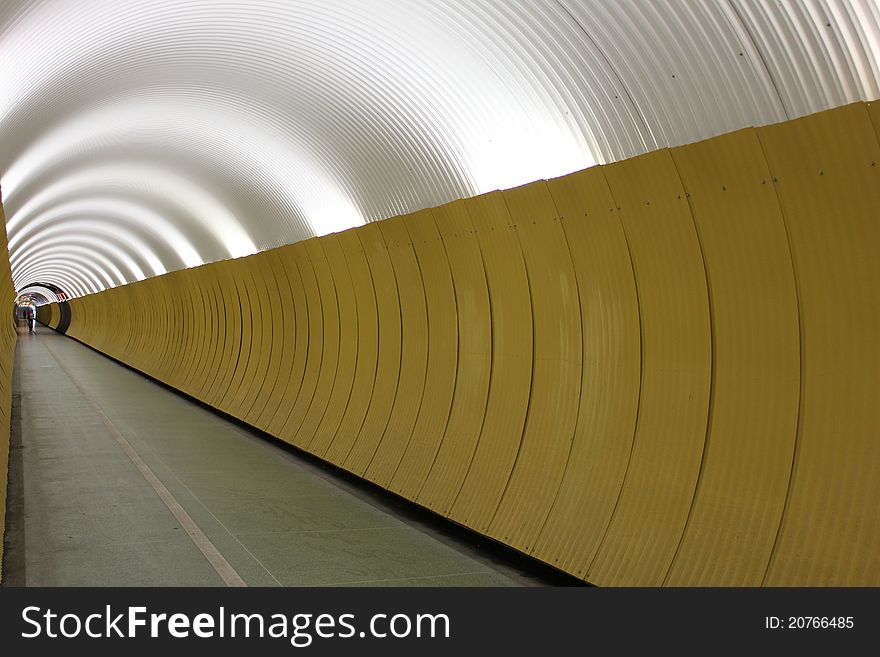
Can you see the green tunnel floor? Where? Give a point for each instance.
(88, 516)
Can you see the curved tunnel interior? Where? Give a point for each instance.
(565, 272)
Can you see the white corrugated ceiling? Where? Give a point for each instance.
(142, 136)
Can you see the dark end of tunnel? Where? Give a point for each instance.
(519, 566)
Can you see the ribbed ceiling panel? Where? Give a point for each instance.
(166, 133)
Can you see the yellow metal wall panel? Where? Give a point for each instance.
(44, 312)
(556, 368)
(213, 338)
(179, 334)
(355, 413)
(122, 323)
(261, 340)
(511, 374)
(828, 183)
(183, 333)
(649, 519)
(192, 354)
(156, 360)
(756, 363)
(188, 295)
(291, 379)
(133, 345)
(413, 355)
(474, 329)
(389, 350)
(242, 283)
(442, 363)
(348, 346)
(193, 304)
(238, 309)
(286, 335)
(158, 321)
(165, 326)
(164, 359)
(227, 298)
(215, 282)
(211, 282)
(314, 354)
(609, 395)
(251, 343)
(146, 341)
(330, 351)
(272, 321)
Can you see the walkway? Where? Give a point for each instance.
(125, 483)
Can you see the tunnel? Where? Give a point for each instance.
(447, 293)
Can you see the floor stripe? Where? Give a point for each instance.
(224, 569)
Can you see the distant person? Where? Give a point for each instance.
(30, 314)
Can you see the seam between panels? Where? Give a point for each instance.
(344, 460)
(467, 472)
(363, 473)
(799, 425)
(291, 284)
(427, 356)
(457, 364)
(320, 310)
(357, 354)
(577, 419)
(285, 321)
(710, 410)
(276, 310)
(588, 570)
(531, 378)
(311, 439)
(240, 347)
